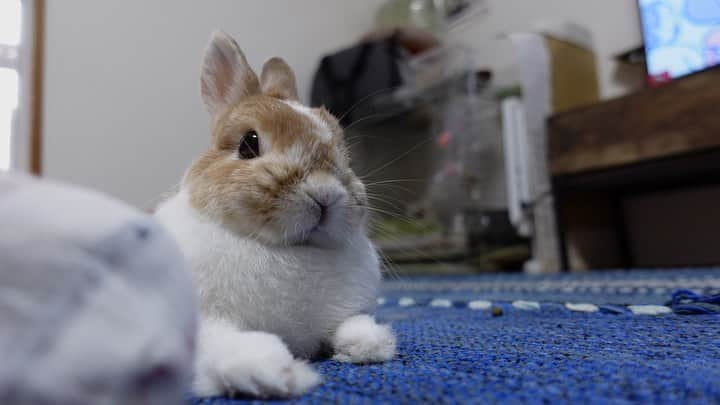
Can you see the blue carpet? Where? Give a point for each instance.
(449, 353)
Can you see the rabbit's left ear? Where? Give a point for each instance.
(278, 80)
(226, 76)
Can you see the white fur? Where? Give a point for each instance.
(360, 340)
(323, 131)
(300, 293)
(256, 361)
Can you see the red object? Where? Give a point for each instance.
(444, 139)
(659, 79)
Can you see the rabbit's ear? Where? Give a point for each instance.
(278, 80)
(226, 76)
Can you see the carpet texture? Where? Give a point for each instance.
(470, 340)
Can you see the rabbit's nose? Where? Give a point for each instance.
(322, 206)
(324, 203)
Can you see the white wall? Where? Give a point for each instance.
(122, 107)
(615, 25)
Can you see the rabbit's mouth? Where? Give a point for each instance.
(323, 233)
(328, 225)
(320, 213)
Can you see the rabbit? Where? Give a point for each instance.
(273, 223)
(96, 304)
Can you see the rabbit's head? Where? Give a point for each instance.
(276, 170)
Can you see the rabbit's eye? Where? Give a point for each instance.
(249, 146)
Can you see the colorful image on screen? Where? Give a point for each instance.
(681, 36)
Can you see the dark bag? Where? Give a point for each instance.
(347, 77)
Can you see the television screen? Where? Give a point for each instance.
(681, 36)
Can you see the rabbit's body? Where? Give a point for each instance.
(300, 293)
(273, 222)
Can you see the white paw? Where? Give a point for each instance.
(254, 363)
(361, 340)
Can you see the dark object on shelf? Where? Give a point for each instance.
(630, 69)
(635, 56)
(348, 76)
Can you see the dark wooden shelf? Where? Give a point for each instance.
(678, 118)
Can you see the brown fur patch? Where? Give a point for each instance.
(269, 117)
(278, 80)
(220, 182)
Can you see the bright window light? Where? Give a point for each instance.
(10, 20)
(8, 103)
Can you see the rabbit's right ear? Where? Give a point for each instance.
(226, 76)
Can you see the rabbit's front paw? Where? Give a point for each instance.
(361, 340)
(254, 363)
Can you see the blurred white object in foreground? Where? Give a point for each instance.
(95, 303)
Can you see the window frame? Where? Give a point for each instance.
(26, 141)
(38, 51)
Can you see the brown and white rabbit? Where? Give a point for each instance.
(273, 223)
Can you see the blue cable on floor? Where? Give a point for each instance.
(688, 302)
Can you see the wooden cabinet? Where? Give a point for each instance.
(604, 155)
